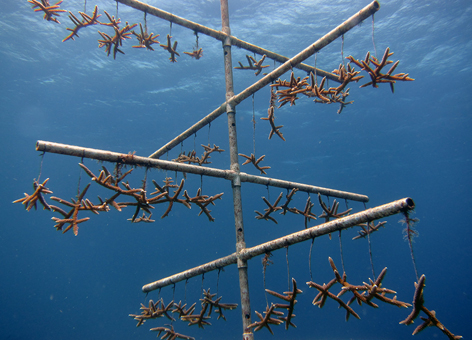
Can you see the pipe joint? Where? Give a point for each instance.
(227, 41)
(236, 181)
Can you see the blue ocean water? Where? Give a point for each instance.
(413, 143)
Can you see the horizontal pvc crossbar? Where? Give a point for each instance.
(221, 36)
(349, 221)
(115, 157)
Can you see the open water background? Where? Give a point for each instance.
(414, 143)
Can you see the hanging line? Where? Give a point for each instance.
(159, 294)
(196, 39)
(201, 186)
(341, 251)
(342, 50)
(85, 6)
(145, 22)
(116, 9)
(145, 179)
(265, 263)
(167, 159)
(173, 299)
(80, 176)
(373, 40)
(370, 247)
(316, 78)
(181, 150)
(145, 298)
(218, 281)
(173, 293)
(116, 170)
(194, 139)
(253, 125)
(170, 29)
(309, 258)
(329, 205)
(265, 291)
(341, 243)
(410, 233)
(201, 290)
(370, 252)
(41, 165)
(275, 66)
(288, 268)
(185, 293)
(264, 268)
(209, 128)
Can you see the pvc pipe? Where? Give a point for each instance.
(221, 36)
(235, 183)
(349, 221)
(115, 157)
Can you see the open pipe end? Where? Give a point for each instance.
(38, 146)
(376, 5)
(410, 204)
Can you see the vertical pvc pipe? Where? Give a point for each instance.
(236, 181)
